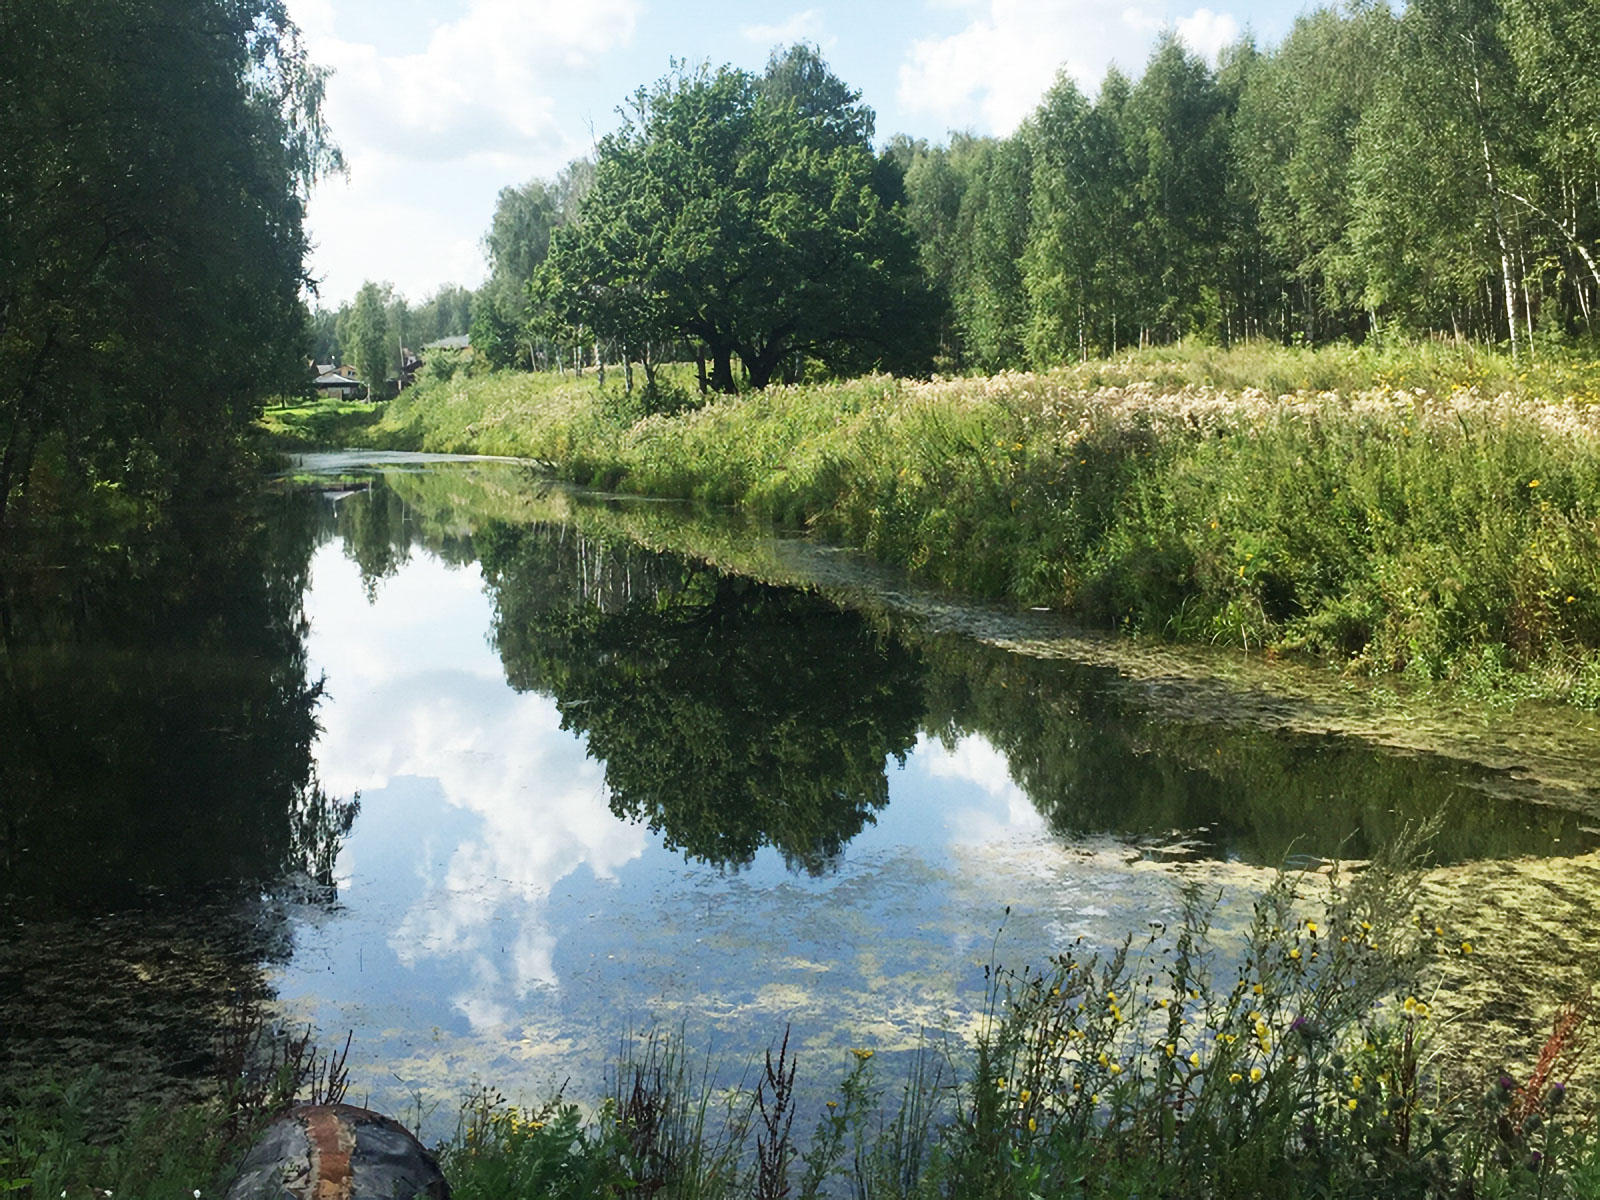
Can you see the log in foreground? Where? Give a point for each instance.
(337, 1152)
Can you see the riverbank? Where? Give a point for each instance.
(1393, 516)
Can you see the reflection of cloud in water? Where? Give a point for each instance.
(975, 760)
(436, 706)
(508, 962)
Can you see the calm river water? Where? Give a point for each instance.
(440, 756)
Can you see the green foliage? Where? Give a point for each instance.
(1390, 527)
(741, 212)
(369, 341)
(151, 241)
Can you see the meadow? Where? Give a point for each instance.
(1431, 510)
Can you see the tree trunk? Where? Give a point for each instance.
(1501, 234)
(722, 370)
(761, 366)
(700, 365)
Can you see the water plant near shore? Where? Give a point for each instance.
(1296, 1059)
(1302, 1055)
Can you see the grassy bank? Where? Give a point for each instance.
(1408, 517)
(1299, 1058)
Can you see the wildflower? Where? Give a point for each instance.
(1094, 1098)
(861, 1055)
(1194, 1059)
(1355, 1083)
(1311, 928)
(1115, 1068)
(1236, 1078)
(1466, 947)
(1024, 1096)
(1351, 1104)
(1533, 483)
(1104, 1060)
(833, 1104)
(1295, 954)
(1171, 1049)
(1255, 1074)
(1033, 1125)
(1256, 990)
(1556, 1096)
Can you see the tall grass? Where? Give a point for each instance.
(1402, 518)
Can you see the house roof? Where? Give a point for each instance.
(334, 379)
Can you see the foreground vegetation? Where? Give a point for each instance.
(1431, 511)
(1300, 1058)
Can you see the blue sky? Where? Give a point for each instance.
(438, 104)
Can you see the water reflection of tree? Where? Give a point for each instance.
(1095, 758)
(157, 790)
(729, 715)
(159, 716)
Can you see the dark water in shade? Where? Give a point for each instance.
(493, 788)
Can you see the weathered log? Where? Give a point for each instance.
(337, 1152)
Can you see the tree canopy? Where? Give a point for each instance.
(746, 213)
(156, 157)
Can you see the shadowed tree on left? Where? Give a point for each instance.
(156, 159)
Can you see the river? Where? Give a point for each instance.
(497, 776)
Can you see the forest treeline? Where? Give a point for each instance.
(1430, 172)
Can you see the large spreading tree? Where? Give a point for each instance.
(746, 213)
(154, 162)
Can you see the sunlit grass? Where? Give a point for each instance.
(1432, 510)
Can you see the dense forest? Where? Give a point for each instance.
(155, 156)
(1432, 172)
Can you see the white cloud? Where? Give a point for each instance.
(474, 110)
(1207, 32)
(976, 760)
(803, 26)
(1010, 52)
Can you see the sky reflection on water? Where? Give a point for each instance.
(498, 922)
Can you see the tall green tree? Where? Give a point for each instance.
(1079, 242)
(1175, 130)
(741, 211)
(1295, 140)
(992, 231)
(368, 341)
(157, 155)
